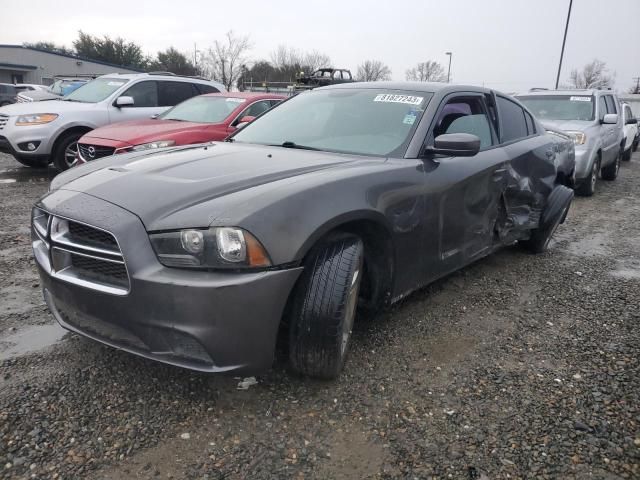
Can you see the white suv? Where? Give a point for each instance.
(39, 133)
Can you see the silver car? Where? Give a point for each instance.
(593, 118)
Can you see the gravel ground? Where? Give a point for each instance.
(519, 366)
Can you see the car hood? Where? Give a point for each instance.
(38, 95)
(141, 131)
(158, 187)
(46, 106)
(567, 125)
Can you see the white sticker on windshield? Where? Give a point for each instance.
(580, 99)
(390, 98)
(236, 100)
(410, 118)
(115, 84)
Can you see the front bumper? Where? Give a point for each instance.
(206, 321)
(13, 138)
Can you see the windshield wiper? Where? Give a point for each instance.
(71, 100)
(289, 144)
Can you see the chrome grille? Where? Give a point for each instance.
(79, 253)
(3, 121)
(93, 152)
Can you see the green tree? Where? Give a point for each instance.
(117, 51)
(171, 60)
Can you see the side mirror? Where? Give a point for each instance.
(610, 118)
(632, 121)
(455, 145)
(124, 102)
(244, 121)
(153, 117)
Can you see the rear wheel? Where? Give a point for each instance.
(626, 156)
(610, 172)
(588, 186)
(33, 162)
(324, 307)
(64, 156)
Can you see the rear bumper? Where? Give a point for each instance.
(206, 321)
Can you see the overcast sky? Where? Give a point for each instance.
(510, 45)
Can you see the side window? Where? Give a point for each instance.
(514, 125)
(629, 113)
(531, 125)
(346, 75)
(337, 75)
(3, 89)
(464, 115)
(274, 102)
(203, 88)
(256, 109)
(172, 93)
(602, 108)
(145, 94)
(611, 104)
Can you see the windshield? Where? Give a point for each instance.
(96, 90)
(360, 121)
(560, 107)
(203, 109)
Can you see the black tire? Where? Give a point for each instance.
(324, 307)
(634, 146)
(610, 172)
(33, 162)
(62, 158)
(557, 208)
(626, 156)
(588, 186)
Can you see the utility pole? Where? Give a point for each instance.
(564, 41)
(637, 89)
(449, 70)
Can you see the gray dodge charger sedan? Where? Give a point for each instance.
(342, 199)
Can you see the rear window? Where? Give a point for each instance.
(173, 93)
(514, 125)
(560, 107)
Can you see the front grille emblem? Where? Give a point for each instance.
(92, 151)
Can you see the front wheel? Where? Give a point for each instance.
(626, 156)
(64, 156)
(588, 186)
(324, 307)
(555, 213)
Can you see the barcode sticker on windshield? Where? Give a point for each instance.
(115, 84)
(389, 98)
(580, 99)
(235, 100)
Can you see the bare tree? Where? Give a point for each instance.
(592, 75)
(429, 71)
(224, 61)
(292, 61)
(373, 71)
(314, 60)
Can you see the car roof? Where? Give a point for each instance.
(246, 95)
(565, 92)
(426, 87)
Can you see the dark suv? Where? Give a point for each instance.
(7, 94)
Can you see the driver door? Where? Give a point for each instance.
(468, 205)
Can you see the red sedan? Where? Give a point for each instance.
(204, 118)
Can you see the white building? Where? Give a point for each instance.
(19, 64)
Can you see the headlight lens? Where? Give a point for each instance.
(153, 145)
(35, 119)
(215, 248)
(579, 138)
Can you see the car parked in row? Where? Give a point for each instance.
(39, 133)
(59, 88)
(346, 196)
(631, 132)
(8, 94)
(594, 119)
(204, 118)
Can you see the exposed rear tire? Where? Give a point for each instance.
(324, 307)
(556, 211)
(626, 156)
(33, 162)
(588, 186)
(64, 154)
(610, 172)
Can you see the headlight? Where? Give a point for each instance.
(215, 248)
(153, 145)
(579, 138)
(35, 119)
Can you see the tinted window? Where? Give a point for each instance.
(274, 102)
(172, 93)
(629, 113)
(602, 106)
(559, 107)
(611, 104)
(368, 121)
(257, 108)
(514, 125)
(203, 88)
(531, 126)
(145, 94)
(3, 89)
(464, 115)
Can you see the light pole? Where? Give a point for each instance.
(564, 40)
(449, 70)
